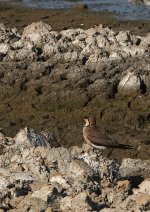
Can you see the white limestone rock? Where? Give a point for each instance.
(4, 48)
(124, 38)
(37, 32)
(130, 84)
(58, 178)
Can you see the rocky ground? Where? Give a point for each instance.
(75, 179)
(48, 81)
(51, 79)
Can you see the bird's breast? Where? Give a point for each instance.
(85, 133)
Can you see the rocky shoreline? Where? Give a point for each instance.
(49, 80)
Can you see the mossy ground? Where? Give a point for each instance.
(126, 118)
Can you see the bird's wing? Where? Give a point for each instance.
(100, 139)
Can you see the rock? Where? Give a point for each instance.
(37, 186)
(59, 157)
(125, 184)
(39, 42)
(78, 168)
(29, 137)
(71, 56)
(144, 187)
(80, 202)
(6, 34)
(130, 84)
(4, 48)
(75, 179)
(66, 203)
(4, 172)
(111, 210)
(36, 32)
(124, 38)
(22, 177)
(102, 41)
(3, 182)
(142, 199)
(44, 193)
(33, 203)
(90, 32)
(58, 178)
(49, 209)
(50, 49)
(134, 167)
(15, 201)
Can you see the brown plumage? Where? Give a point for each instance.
(95, 137)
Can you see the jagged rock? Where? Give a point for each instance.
(39, 42)
(49, 209)
(35, 204)
(124, 38)
(91, 31)
(134, 167)
(6, 34)
(102, 41)
(80, 202)
(66, 204)
(58, 178)
(138, 202)
(144, 187)
(4, 48)
(44, 193)
(3, 182)
(130, 84)
(22, 177)
(29, 137)
(142, 199)
(37, 32)
(125, 184)
(78, 179)
(36, 186)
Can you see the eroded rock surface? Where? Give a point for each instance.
(49, 80)
(75, 179)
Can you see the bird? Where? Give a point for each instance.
(94, 136)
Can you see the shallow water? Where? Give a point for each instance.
(122, 8)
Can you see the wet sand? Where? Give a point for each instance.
(69, 18)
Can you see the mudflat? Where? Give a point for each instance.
(69, 18)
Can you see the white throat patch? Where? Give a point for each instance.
(86, 122)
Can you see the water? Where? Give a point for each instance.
(122, 8)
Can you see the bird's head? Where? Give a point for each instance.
(89, 120)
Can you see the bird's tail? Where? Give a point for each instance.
(124, 146)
